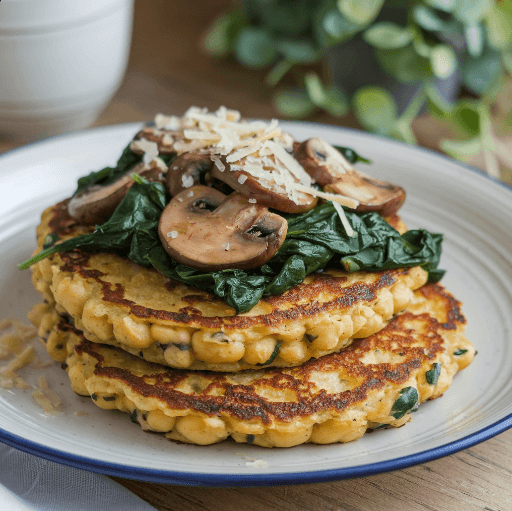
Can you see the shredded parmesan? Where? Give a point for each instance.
(218, 163)
(187, 181)
(259, 149)
(333, 197)
(348, 228)
(150, 149)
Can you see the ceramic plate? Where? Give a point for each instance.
(473, 211)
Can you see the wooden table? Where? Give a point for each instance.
(168, 72)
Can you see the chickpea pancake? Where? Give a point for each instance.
(376, 382)
(114, 301)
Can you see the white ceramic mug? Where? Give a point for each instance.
(61, 62)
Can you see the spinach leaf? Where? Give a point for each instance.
(127, 160)
(459, 352)
(315, 240)
(432, 375)
(273, 355)
(407, 402)
(351, 155)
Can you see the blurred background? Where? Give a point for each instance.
(428, 72)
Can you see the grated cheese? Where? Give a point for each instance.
(333, 197)
(218, 163)
(259, 149)
(344, 220)
(187, 181)
(149, 148)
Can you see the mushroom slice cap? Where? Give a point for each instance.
(187, 170)
(329, 168)
(96, 204)
(273, 196)
(207, 230)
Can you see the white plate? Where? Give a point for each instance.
(473, 211)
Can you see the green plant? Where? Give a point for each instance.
(433, 40)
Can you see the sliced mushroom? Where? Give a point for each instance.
(164, 139)
(274, 196)
(328, 167)
(207, 230)
(187, 170)
(96, 204)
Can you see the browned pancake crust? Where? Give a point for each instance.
(334, 398)
(114, 301)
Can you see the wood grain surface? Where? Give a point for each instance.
(169, 72)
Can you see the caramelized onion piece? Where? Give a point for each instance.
(207, 230)
(328, 167)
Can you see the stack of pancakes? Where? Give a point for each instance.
(324, 362)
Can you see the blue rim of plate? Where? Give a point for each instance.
(267, 478)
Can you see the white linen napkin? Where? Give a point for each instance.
(30, 483)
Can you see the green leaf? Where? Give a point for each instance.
(255, 47)
(459, 352)
(442, 5)
(427, 18)
(437, 105)
(466, 117)
(407, 402)
(478, 74)
(315, 89)
(475, 39)
(432, 376)
(405, 64)
(359, 12)
(472, 11)
(403, 131)
(277, 73)
(330, 98)
(351, 155)
(292, 19)
(223, 32)
(301, 52)
(499, 26)
(443, 61)
(294, 103)
(375, 109)
(331, 27)
(462, 150)
(507, 61)
(387, 35)
(335, 102)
